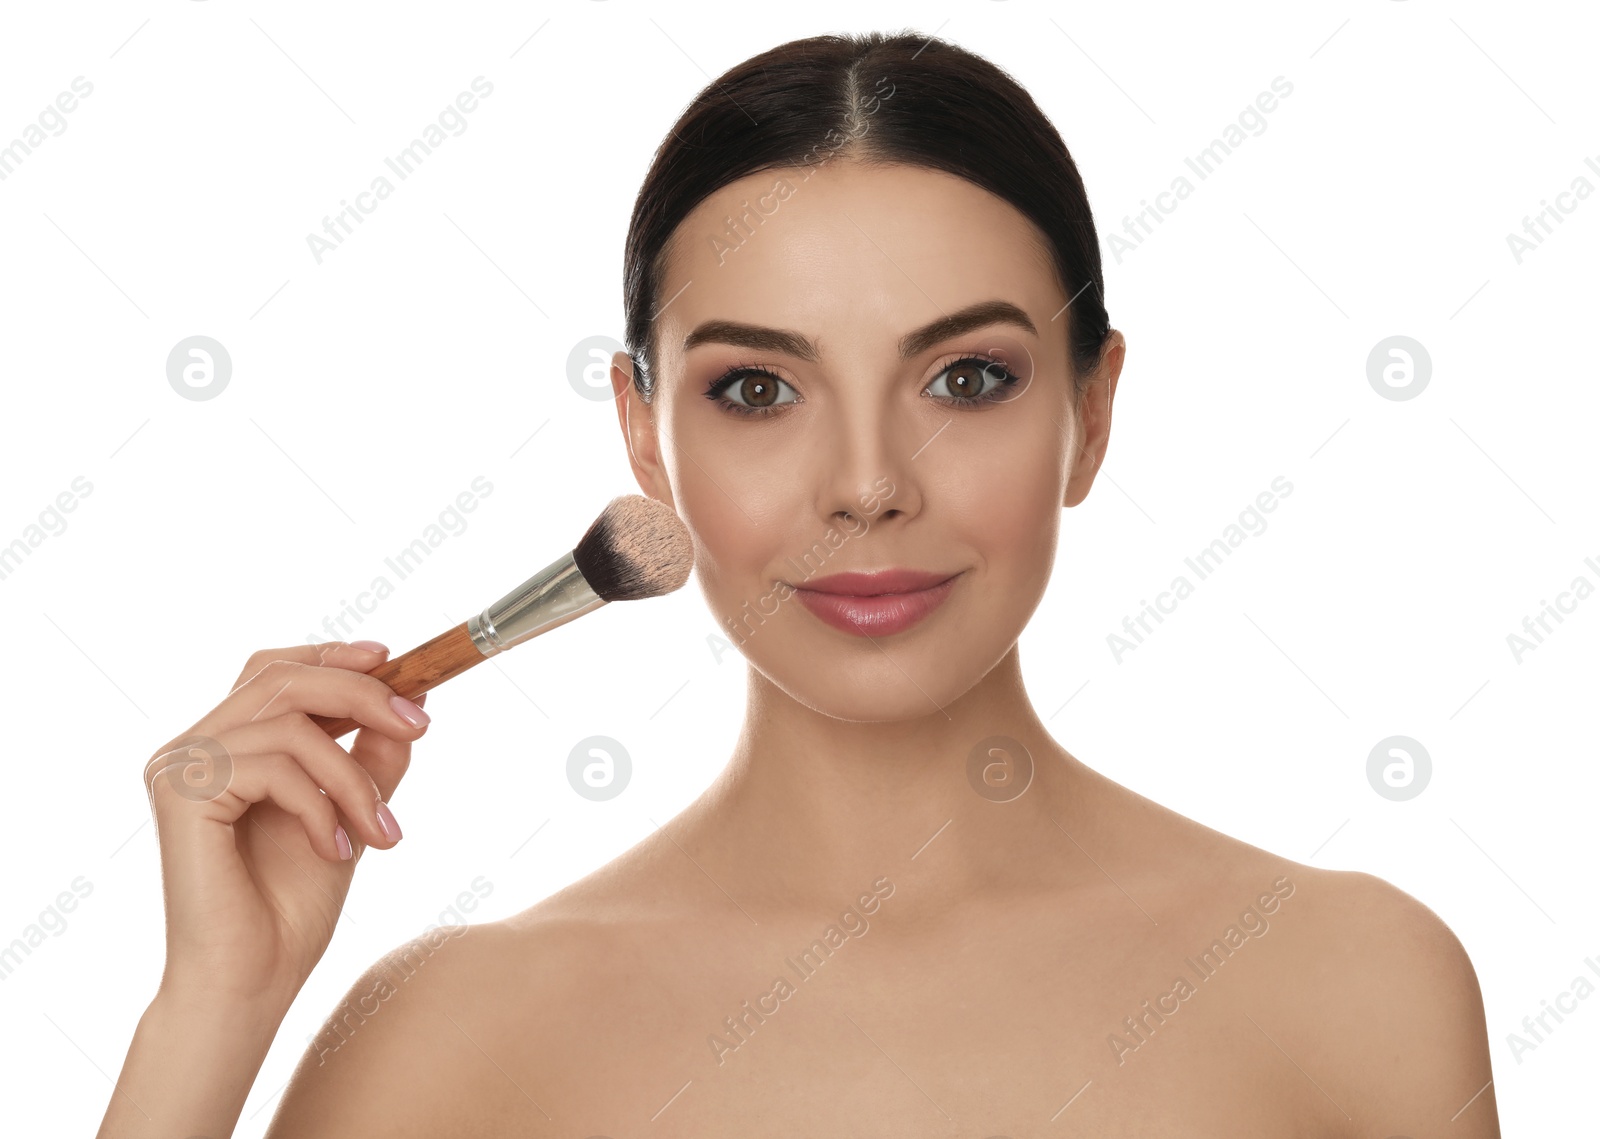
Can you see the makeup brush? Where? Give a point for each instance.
(637, 548)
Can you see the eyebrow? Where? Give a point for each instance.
(762, 339)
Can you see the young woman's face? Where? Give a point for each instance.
(864, 436)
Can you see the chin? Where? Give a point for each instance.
(909, 676)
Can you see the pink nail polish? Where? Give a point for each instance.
(370, 646)
(391, 829)
(408, 711)
(342, 841)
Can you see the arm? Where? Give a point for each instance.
(189, 1068)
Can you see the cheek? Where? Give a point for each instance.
(1005, 495)
(736, 497)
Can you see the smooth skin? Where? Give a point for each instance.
(974, 957)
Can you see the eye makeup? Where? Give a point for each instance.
(996, 381)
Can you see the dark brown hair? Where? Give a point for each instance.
(946, 109)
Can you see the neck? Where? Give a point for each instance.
(811, 809)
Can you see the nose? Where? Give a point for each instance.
(869, 472)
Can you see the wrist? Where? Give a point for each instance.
(214, 1013)
(190, 1066)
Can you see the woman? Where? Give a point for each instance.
(869, 363)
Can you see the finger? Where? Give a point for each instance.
(385, 758)
(345, 782)
(285, 686)
(252, 778)
(361, 656)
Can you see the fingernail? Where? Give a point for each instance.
(421, 700)
(370, 646)
(342, 841)
(408, 711)
(391, 829)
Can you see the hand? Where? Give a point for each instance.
(261, 818)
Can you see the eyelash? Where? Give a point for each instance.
(739, 371)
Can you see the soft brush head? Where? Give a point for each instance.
(637, 548)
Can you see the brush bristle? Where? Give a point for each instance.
(637, 548)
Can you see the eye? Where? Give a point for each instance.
(973, 380)
(746, 390)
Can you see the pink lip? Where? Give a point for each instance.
(875, 604)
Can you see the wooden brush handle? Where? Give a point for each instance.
(412, 673)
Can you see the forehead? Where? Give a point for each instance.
(852, 255)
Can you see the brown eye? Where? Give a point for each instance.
(965, 380)
(750, 391)
(758, 391)
(973, 381)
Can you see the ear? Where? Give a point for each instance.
(1092, 425)
(638, 423)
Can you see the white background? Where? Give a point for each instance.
(431, 347)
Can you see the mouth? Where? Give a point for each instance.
(875, 604)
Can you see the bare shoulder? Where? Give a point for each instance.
(1359, 994)
(1394, 997)
(455, 1032)
(394, 1043)
(437, 1036)
(1339, 974)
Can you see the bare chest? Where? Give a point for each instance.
(984, 1034)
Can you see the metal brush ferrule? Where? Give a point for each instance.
(551, 597)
